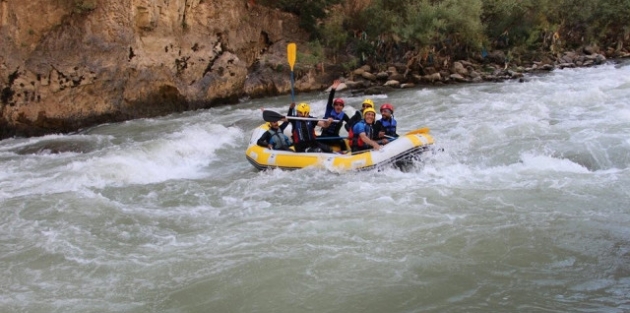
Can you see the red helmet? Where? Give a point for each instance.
(339, 101)
(388, 107)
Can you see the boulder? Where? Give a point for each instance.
(382, 76)
(355, 85)
(432, 77)
(375, 90)
(458, 78)
(458, 68)
(600, 59)
(392, 83)
(547, 67)
(590, 50)
(398, 77)
(369, 76)
(358, 72)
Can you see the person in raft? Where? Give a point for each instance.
(304, 138)
(274, 138)
(385, 128)
(358, 115)
(334, 110)
(364, 137)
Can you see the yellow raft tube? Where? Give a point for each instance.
(405, 148)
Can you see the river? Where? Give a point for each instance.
(526, 209)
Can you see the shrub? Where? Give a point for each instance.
(314, 55)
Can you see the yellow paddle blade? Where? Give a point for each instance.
(291, 54)
(423, 130)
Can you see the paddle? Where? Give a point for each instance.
(273, 116)
(291, 54)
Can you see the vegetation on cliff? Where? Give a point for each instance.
(377, 31)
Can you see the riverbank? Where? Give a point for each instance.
(422, 71)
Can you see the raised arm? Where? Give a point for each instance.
(284, 124)
(291, 109)
(331, 98)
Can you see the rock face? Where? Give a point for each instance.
(69, 64)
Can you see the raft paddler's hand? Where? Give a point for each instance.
(292, 105)
(381, 134)
(377, 147)
(328, 122)
(335, 84)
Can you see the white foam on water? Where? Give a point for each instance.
(178, 155)
(547, 163)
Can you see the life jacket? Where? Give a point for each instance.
(278, 139)
(389, 126)
(356, 141)
(335, 127)
(303, 131)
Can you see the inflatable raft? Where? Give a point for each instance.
(399, 152)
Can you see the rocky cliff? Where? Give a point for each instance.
(68, 64)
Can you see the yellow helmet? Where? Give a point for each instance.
(303, 108)
(369, 110)
(368, 102)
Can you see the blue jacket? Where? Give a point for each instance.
(388, 126)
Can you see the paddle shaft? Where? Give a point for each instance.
(273, 116)
(331, 138)
(292, 90)
(309, 119)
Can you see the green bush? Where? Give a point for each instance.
(381, 30)
(332, 32)
(314, 55)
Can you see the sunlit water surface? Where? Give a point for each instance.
(526, 209)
